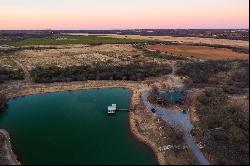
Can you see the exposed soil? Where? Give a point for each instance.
(200, 52)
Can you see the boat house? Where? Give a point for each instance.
(112, 109)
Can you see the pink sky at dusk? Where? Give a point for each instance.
(123, 14)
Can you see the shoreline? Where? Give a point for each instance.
(134, 87)
(132, 123)
(159, 157)
(10, 158)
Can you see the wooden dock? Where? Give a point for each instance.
(125, 110)
(112, 109)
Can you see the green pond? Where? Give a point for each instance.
(172, 97)
(73, 128)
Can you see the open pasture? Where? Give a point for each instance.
(74, 39)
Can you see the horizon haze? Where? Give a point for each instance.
(111, 14)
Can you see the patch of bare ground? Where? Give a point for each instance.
(200, 52)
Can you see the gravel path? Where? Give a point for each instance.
(177, 83)
(177, 120)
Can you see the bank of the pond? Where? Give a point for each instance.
(131, 125)
(7, 156)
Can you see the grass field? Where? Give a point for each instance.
(7, 63)
(76, 55)
(200, 52)
(194, 40)
(74, 39)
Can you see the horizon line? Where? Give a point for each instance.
(122, 29)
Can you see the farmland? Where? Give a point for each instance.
(200, 52)
(73, 39)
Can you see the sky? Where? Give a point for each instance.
(124, 14)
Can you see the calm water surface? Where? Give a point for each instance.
(73, 128)
(173, 97)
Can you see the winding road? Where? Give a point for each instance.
(177, 120)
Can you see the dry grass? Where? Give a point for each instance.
(201, 52)
(196, 40)
(7, 63)
(65, 56)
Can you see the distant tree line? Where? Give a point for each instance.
(10, 36)
(133, 72)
